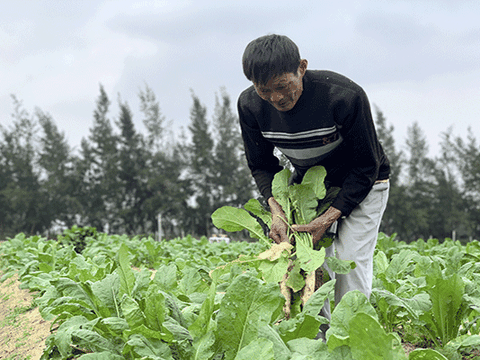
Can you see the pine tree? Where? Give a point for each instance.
(232, 178)
(467, 160)
(395, 204)
(447, 207)
(132, 189)
(200, 164)
(420, 188)
(99, 169)
(21, 198)
(153, 120)
(58, 168)
(386, 138)
(419, 166)
(167, 191)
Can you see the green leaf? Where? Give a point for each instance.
(166, 277)
(425, 354)
(446, 316)
(191, 281)
(91, 340)
(399, 264)
(340, 266)
(254, 206)
(258, 349)
(341, 353)
(310, 349)
(104, 355)
(465, 341)
(381, 262)
(149, 333)
(201, 325)
(279, 347)
(415, 306)
(280, 185)
(147, 348)
(274, 262)
(115, 324)
(63, 335)
(303, 202)
(352, 302)
(70, 288)
(316, 302)
(273, 271)
(203, 347)
(233, 219)
(106, 291)
(308, 258)
(301, 326)
(132, 312)
(295, 279)
(127, 277)
(182, 338)
(155, 308)
(314, 178)
(368, 340)
(247, 304)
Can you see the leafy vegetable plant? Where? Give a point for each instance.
(301, 203)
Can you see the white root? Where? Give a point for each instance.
(309, 287)
(286, 292)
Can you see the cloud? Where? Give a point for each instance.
(391, 45)
(187, 24)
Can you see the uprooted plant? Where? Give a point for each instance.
(295, 265)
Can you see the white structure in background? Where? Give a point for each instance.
(159, 233)
(219, 238)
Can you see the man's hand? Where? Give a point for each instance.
(318, 226)
(279, 228)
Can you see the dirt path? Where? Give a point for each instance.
(22, 329)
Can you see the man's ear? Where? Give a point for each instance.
(302, 68)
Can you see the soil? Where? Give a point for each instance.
(22, 329)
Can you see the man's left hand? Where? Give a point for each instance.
(320, 225)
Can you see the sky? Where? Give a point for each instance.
(418, 60)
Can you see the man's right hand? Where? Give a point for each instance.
(279, 228)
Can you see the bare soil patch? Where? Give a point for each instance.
(22, 329)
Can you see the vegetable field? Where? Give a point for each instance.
(122, 298)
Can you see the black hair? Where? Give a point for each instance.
(269, 56)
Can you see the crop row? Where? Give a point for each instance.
(122, 298)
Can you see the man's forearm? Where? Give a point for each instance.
(330, 216)
(275, 207)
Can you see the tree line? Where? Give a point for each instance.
(120, 179)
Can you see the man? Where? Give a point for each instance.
(316, 118)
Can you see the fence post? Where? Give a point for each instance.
(159, 221)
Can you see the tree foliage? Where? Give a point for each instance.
(431, 197)
(121, 179)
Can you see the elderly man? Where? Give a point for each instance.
(316, 118)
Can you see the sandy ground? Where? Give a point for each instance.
(22, 329)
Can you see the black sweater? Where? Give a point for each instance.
(330, 125)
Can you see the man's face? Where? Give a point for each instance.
(282, 91)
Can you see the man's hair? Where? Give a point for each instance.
(269, 56)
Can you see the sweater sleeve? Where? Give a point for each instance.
(358, 131)
(262, 162)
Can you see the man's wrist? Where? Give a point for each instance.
(330, 216)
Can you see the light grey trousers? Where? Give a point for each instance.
(356, 240)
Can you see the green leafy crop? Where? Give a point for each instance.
(295, 269)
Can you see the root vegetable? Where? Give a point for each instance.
(309, 288)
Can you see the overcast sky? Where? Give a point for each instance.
(418, 60)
